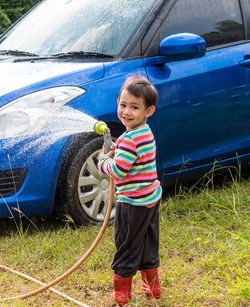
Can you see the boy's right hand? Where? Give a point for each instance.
(110, 154)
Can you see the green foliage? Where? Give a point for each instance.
(12, 10)
(4, 21)
(204, 251)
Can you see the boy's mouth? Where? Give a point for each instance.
(127, 119)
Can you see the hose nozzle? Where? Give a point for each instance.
(102, 129)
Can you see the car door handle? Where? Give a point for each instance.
(245, 63)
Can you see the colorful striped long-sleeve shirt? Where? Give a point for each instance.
(134, 167)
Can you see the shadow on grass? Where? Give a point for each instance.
(9, 226)
(214, 180)
(46, 223)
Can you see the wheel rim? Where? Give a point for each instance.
(93, 190)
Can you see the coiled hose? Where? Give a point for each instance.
(72, 269)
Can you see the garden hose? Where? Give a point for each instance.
(100, 128)
(5, 268)
(73, 268)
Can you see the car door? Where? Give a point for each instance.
(203, 108)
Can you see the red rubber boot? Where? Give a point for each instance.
(151, 284)
(122, 287)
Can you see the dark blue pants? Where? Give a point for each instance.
(136, 239)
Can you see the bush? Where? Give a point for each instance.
(4, 21)
(12, 10)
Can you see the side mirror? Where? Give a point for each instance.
(177, 47)
(183, 46)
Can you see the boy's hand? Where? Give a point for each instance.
(110, 154)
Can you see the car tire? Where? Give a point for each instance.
(84, 190)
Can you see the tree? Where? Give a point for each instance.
(13, 10)
(4, 21)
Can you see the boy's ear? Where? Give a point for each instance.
(150, 111)
(118, 100)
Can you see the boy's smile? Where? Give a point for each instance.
(132, 110)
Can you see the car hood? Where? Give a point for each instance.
(14, 76)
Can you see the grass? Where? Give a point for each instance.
(204, 253)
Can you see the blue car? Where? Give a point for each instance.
(61, 68)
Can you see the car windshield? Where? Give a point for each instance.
(61, 26)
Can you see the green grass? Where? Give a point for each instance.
(204, 253)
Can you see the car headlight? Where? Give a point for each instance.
(28, 114)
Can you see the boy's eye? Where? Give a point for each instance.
(134, 108)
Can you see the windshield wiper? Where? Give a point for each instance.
(81, 54)
(16, 53)
(70, 55)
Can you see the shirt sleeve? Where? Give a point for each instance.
(124, 158)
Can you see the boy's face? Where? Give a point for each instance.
(132, 111)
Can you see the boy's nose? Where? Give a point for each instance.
(126, 111)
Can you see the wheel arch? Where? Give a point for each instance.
(74, 143)
(72, 147)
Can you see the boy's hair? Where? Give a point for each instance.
(141, 87)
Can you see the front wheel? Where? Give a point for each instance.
(86, 189)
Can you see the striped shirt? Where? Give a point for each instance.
(134, 167)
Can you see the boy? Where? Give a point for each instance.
(138, 192)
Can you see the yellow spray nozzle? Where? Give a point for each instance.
(100, 127)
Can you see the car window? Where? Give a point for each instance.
(218, 22)
(57, 26)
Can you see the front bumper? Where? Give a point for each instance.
(29, 169)
(11, 181)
